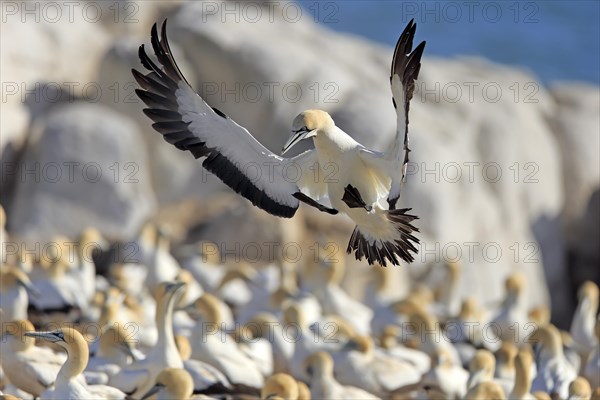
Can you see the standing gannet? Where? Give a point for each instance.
(512, 319)
(15, 288)
(554, 372)
(69, 384)
(523, 369)
(323, 384)
(30, 368)
(584, 320)
(89, 241)
(363, 180)
(155, 254)
(136, 379)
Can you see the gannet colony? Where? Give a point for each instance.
(164, 299)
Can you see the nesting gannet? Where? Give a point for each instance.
(470, 323)
(68, 383)
(60, 292)
(267, 326)
(30, 368)
(512, 319)
(364, 178)
(523, 369)
(424, 328)
(114, 351)
(257, 348)
(360, 364)
(380, 302)
(136, 379)
(204, 262)
(171, 384)
(296, 330)
(282, 385)
(15, 288)
(486, 391)
(580, 389)
(206, 378)
(554, 372)
(212, 345)
(584, 320)
(481, 368)
(389, 344)
(445, 379)
(335, 300)
(323, 384)
(255, 297)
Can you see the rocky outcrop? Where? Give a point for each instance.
(501, 171)
(86, 167)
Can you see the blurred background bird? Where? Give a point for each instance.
(111, 238)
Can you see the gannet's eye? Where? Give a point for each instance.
(309, 370)
(60, 336)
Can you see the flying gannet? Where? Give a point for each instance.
(364, 178)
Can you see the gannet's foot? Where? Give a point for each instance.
(353, 199)
(312, 202)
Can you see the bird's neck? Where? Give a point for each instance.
(164, 324)
(77, 360)
(522, 380)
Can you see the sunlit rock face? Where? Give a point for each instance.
(501, 174)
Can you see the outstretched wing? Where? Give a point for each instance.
(406, 64)
(229, 150)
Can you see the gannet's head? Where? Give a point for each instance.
(282, 385)
(172, 383)
(319, 364)
(580, 388)
(483, 360)
(306, 125)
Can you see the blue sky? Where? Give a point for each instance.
(557, 40)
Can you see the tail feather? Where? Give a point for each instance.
(380, 251)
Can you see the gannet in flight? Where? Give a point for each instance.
(363, 180)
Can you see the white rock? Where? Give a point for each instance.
(88, 167)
